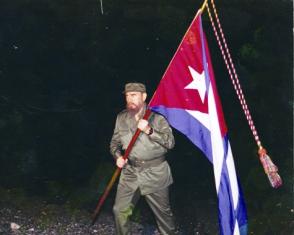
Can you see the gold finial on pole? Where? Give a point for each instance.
(202, 7)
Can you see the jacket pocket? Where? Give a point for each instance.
(125, 136)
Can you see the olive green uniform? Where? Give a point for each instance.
(146, 173)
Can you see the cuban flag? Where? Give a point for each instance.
(187, 97)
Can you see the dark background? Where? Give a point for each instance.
(63, 66)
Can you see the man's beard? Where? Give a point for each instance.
(133, 108)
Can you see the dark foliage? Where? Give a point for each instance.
(63, 65)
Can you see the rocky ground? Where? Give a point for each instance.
(21, 214)
(60, 222)
(51, 219)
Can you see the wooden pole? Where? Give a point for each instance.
(117, 171)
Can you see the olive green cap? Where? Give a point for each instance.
(135, 86)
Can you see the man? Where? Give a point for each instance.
(146, 172)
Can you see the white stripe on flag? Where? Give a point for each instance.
(218, 151)
(236, 229)
(232, 176)
(216, 139)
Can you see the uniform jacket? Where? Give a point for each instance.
(146, 148)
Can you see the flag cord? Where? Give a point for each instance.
(269, 168)
(233, 75)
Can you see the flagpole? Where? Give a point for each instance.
(118, 170)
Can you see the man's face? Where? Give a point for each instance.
(135, 100)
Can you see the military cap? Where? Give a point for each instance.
(135, 86)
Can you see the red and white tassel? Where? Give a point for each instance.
(270, 168)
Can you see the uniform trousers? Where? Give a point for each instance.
(125, 201)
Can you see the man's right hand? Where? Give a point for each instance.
(120, 162)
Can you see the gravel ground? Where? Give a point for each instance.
(35, 216)
(40, 222)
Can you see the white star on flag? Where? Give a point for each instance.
(198, 83)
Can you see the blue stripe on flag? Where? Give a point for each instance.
(189, 126)
(226, 204)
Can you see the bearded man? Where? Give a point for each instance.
(146, 172)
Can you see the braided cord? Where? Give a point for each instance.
(232, 72)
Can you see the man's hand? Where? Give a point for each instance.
(120, 162)
(143, 125)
